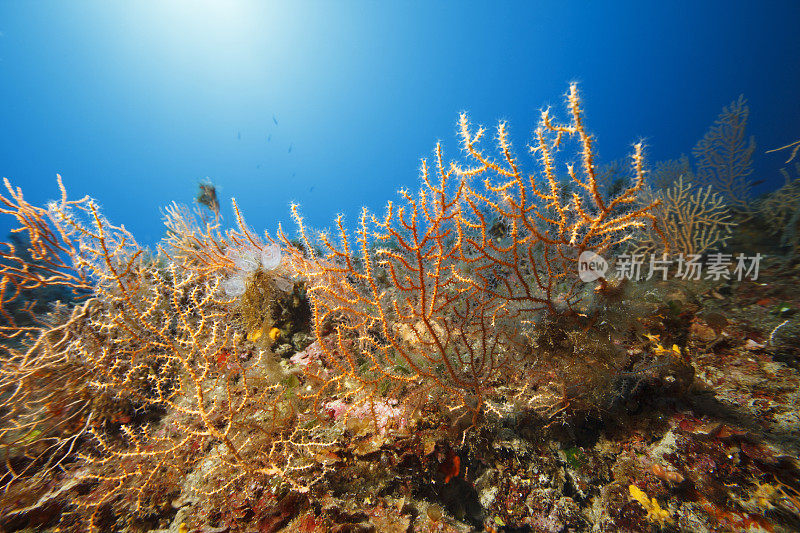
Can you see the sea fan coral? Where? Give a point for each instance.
(724, 155)
(136, 381)
(167, 366)
(466, 266)
(690, 220)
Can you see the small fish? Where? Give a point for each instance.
(275, 120)
(258, 165)
(311, 189)
(238, 135)
(757, 182)
(290, 147)
(294, 174)
(269, 137)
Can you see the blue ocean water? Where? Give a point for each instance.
(331, 104)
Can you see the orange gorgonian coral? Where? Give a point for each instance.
(127, 390)
(435, 297)
(163, 367)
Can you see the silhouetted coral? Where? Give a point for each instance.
(724, 155)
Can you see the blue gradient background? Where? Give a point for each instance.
(135, 102)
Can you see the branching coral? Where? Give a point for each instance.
(45, 263)
(468, 263)
(724, 155)
(699, 219)
(142, 376)
(691, 221)
(780, 210)
(795, 147)
(666, 173)
(162, 368)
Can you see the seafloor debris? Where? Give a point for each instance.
(207, 197)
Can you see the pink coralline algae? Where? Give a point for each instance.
(311, 355)
(385, 413)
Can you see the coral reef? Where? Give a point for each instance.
(444, 369)
(480, 252)
(142, 376)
